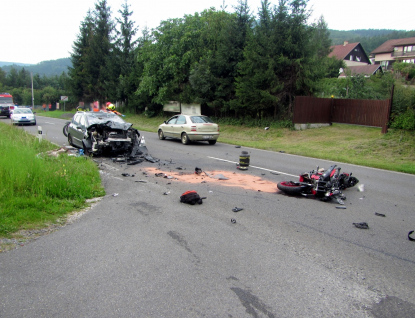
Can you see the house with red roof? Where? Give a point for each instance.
(353, 54)
(356, 60)
(396, 50)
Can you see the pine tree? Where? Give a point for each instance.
(104, 68)
(81, 84)
(125, 50)
(258, 85)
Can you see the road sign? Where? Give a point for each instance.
(64, 98)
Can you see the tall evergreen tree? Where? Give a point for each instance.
(125, 47)
(258, 85)
(103, 67)
(81, 84)
(322, 66)
(277, 59)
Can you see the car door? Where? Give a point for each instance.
(79, 130)
(179, 127)
(169, 127)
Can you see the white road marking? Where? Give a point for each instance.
(265, 169)
(47, 122)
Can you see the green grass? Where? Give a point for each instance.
(359, 145)
(37, 189)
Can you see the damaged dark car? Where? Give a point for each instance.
(102, 133)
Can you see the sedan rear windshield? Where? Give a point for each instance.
(200, 119)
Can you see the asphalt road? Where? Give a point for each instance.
(145, 254)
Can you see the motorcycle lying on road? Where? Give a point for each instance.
(323, 184)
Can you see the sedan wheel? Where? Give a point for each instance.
(87, 152)
(65, 129)
(185, 139)
(161, 135)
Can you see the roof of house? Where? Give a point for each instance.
(341, 51)
(388, 46)
(369, 69)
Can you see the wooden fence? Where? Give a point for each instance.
(311, 110)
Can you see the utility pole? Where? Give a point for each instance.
(33, 99)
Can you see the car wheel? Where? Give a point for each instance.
(87, 152)
(212, 142)
(161, 135)
(65, 129)
(34, 124)
(70, 140)
(185, 139)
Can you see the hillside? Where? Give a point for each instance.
(3, 64)
(47, 68)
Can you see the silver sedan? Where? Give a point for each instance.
(189, 128)
(22, 116)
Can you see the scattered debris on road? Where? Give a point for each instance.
(380, 214)
(362, 225)
(236, 209)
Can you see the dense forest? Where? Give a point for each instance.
(235, 64)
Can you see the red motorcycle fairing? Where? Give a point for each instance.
(324, 184)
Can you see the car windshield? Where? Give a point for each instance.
(22, 111)
(6, 100)
(102, 117)
(200, 119)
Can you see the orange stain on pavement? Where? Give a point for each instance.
(235, 179)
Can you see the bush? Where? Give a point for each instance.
(405, 120)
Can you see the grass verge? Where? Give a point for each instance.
(37, 189)
(365, 146)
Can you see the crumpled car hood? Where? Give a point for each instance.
(112, 125)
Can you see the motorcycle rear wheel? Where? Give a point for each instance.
(293, 188)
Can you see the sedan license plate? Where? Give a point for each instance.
(207, 137)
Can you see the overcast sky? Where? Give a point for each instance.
(35, 31)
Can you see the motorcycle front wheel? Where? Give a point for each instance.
(293, 188)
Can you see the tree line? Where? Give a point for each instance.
(46, 89)
(235, 64)
(232, 63)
